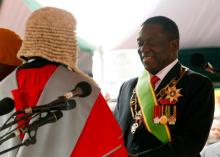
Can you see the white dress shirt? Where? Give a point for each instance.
(161, 74)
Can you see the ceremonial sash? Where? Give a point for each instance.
(146, 100)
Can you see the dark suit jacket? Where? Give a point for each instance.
(194, 118)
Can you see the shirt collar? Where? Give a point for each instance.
(161, 74)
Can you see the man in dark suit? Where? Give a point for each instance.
(168, 110)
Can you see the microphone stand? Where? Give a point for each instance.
(27, 142)
(32, 131)
(14, 122)
(31, 134)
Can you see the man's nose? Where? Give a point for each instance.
(145, 48)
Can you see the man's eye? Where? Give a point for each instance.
(140, 44)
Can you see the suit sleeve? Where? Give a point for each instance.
(116, 110)
(194, 122)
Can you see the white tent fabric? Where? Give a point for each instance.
(198, 22)
(115, 24)
(13, 15)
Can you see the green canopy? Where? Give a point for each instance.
(196, 58)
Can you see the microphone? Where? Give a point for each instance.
(59, 104)
(82, 89)
(6, 106)
(51, 117)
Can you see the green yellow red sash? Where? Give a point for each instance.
(146, 100)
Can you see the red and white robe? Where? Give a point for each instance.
(87, 130)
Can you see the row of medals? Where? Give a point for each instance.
(163, 114)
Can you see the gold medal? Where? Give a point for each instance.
(163, 120)
(172, 120)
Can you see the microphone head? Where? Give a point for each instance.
(62, 103)
(6, 106)
(85, 88)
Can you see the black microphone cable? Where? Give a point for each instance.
(25, 127)
(51, 117)
(19, 129)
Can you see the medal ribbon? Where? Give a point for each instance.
(146, 100)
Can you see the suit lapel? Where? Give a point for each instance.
(170, 75)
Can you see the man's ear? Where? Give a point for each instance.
(174, 45)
